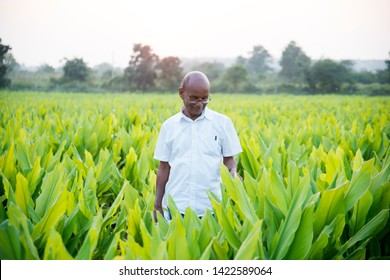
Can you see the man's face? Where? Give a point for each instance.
(194, 95)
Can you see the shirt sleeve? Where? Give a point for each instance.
(230, 143)
(162, 151)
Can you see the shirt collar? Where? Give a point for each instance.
(205, 114)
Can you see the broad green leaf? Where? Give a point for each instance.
(236, 190)
(131, 195)
(367, 231)
(219, 251)
(10, 248)
(226, 225)
(206, 252)
(379, 179)
(8, 190)
(51, 217)
(177, 245)
(249, 247)
(115, 205)
(55, 248)
(291, 223)
(277, 192)
(318, 246)
(253, 166)
(146, 239)
(88, 202)
(158, 244)
(303, 238)
(359, 213)
(7, 164)
(22, 157)
(143, 165)
(52, 187)
(331, 204)
(359, 184)
(53, 162)
(22, 194)
(357, 161)
(205, 234)
(90, 242)
(35, 175)
(19, 219)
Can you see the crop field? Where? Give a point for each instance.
(78, 179)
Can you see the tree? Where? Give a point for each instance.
(384, 75)
(240, 60)
(235, 78)
(294, 63)
(75, 70)
(258, 62)
(142, 67)
(46, 68)
(213, 70)
(170, 72)
(328, 76)
(364, 77)
(4, 69)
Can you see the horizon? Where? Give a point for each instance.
(371, 65)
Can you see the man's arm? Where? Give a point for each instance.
(231, 165)
(162, 179)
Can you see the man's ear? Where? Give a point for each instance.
(181, 92)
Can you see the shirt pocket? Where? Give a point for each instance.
(210, 145)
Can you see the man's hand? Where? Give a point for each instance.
(230, 163)
(157, 209)
(234, 173)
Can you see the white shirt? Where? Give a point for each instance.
(194, 151)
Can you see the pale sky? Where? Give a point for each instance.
(45, 31)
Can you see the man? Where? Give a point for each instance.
(191, 146)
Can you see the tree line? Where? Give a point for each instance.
(255, 73)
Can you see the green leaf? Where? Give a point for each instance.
(277, 192)
(34, 176)
(143, 165)
(88, 201)
(290, 225)
(331, 204)
(367, 231)
(112, 249)
(303, 238)
(55, 248)
(22, 157)
(359, 213)
(227, 225)
(52, 187)
(219, 251)
(250, 161)
(22, 194)
(359, 184)
(205, 234)
(8, 164)
(236, 191)
(206, 252)
(318, 246)
(91, 240)
(115, 205)
(10, 248)
(178, 247)
(51, 217)
(19, 219)
(250, 245)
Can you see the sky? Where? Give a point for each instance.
(47, 31)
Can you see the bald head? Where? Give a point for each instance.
(195, 77)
